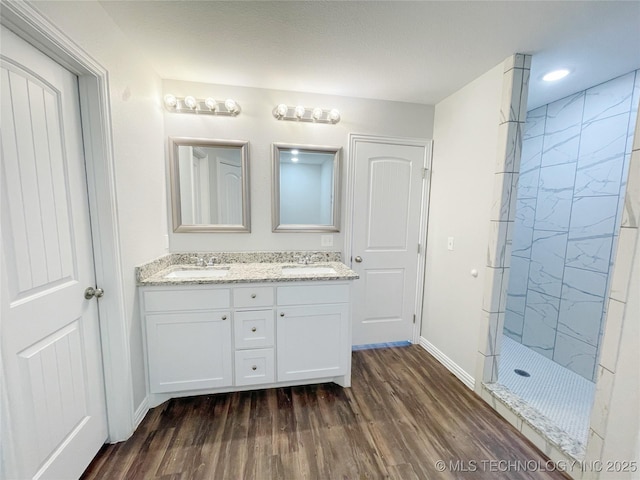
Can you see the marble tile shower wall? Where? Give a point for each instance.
(573, 172)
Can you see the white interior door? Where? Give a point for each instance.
(54, 419)
(229, 193)
(388, 193)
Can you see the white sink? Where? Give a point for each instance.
(213, 273)
(307, 270)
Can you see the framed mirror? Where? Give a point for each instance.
(209, 185)
(306, 188)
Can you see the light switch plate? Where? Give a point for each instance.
(450, 243)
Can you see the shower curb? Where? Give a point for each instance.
(563, 450)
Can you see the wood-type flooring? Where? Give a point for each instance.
(405, 417)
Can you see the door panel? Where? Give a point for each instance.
(230, 194)
(51, 355)
(389, 204)
(387, 217)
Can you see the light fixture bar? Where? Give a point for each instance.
(201, 106)
(301, 113)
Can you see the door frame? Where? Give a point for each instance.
(26, 22)
(354, 139)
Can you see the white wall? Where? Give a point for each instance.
(138, 145)
(256, 124)
(624, 417)
(464, 155)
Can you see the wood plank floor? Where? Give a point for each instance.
(403, 413)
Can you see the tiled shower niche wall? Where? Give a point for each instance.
(575, 160)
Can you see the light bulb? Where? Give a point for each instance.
(555, 75)
(231, 105)
(190, 102)
(294, 152)
(299, 111)
(281, 110)
(170, 100)
(334, 115)
(317, 113)
(211, 103)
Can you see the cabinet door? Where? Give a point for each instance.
(312, 341)
(189, 351)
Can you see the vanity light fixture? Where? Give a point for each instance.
(210, 103)
(206, 106)
(190, 102)
(556, 75)
(317, 113)
(300, 113)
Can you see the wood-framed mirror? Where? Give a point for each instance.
(306, 186)
(209, 185)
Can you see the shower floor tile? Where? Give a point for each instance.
(563, 396)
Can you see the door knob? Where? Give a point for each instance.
(91, 292)
(358, 259)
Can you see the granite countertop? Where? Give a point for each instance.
(242, 268)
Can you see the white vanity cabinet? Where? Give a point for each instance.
(222, 337)
(313, 332)
(188, 338)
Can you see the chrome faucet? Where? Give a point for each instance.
(199, 261)
(212, 261)
(304, 259)
(307, 259)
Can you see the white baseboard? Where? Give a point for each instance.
(453, 367)
(141, 412)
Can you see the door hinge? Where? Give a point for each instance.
(424, 172)
(414, 318)
(418, 248)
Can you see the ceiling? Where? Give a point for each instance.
(417, 52)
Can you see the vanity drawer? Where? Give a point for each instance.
(248, 297)
(312, 294)
(255, 366)
(186, 299)
(254, 329)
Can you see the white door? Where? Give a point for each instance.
(54, 420)
(388, 199)
(229, 193)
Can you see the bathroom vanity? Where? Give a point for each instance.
(244, 324)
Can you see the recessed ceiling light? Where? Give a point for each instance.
(294, 152)
(294, 159)
(556, 75)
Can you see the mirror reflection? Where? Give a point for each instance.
(306, 188)
(209, 185)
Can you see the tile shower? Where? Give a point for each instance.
(573, 172)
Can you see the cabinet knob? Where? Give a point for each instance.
(254, 368)
(254, 329)
(282, 314)
(253, 295)
(224, 317)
